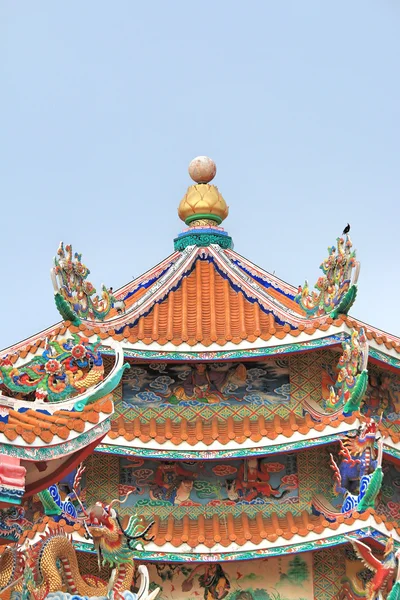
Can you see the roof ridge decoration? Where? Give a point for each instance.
(69, 368)
(352, 379)
(74, 295)
(351, 382)
(253, 290)
(337, 288)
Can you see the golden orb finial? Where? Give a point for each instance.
(202, 204)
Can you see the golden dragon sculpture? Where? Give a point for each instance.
(35, 572)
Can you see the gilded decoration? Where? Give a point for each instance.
(203, 201)
(336, 289)
(51, 565)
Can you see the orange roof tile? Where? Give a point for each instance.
(32, 424)
(222, 430)
(204, 297)
(213, 530)
(206, 309)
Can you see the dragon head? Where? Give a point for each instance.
(113, 539)
(103, 528)
(367, 432)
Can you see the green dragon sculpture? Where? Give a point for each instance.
(74, 295)
(352, 379)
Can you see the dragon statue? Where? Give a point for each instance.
(336, 289)
(56, 507)
(352, 379)
(74, 294)
(380, 587)
(12, 523)
(359, 476)
(66, 368)
(35, 571)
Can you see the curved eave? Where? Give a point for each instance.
(386, 352)
(321, 535)
(288, 343)
(319, 433)
(32, 436)
(38, 481)
(261, 439)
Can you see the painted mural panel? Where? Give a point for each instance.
(258, 382)
(250, 481)
(285, 578)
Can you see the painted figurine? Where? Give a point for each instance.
(214, 581)
(206, 382)
(253, 481)
(382, 582)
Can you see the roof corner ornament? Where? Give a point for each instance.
(359, 475)
(74, 295)
(360, 462)
(352, 380)
(42, 568)
(384, 570)
(337, 288)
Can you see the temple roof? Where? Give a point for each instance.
(205, 296)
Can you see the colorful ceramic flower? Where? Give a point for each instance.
(78, 351)
(53, 366)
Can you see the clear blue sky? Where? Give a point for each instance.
(104, 104)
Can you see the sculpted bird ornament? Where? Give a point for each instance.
(382, 582)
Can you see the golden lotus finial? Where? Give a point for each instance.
(202, 204)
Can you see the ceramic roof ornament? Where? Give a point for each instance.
(203, 204)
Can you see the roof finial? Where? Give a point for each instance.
(202, 169)
(202, 204)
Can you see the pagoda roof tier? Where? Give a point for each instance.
(53, 425)
(216, 433)
(382, 346)
(217, 438)
(46, 443)
(207, 297)
(240, 538)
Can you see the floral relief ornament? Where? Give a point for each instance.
(66, 368)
